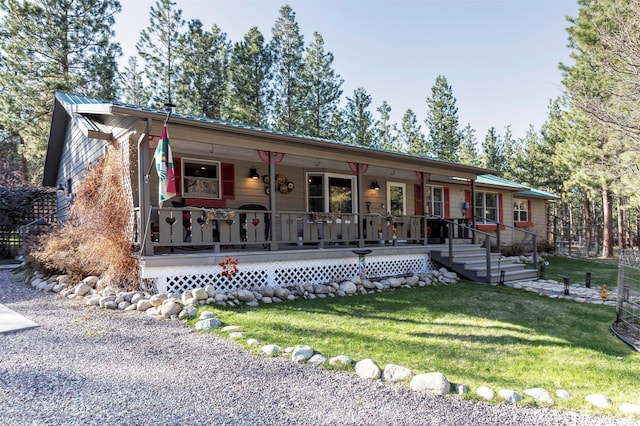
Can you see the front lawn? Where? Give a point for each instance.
(603, 271)
(474, 334)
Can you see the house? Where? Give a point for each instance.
(289, 209)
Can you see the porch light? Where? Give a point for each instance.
(60, 188)
(374, 185)
(253, 173)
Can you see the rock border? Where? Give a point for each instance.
(185, 306)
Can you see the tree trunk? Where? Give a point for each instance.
(587, 223)
(607, 228)
(622, 239)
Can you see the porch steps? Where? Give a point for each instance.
(469, 262)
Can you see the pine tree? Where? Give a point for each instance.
(48, 46)
(250, 74)
(467, 151)
(492, 156)
(411, 137)
(324, 88)
(202, 83)
(442, 121)
(156, 46)
(359, 121)
(287, 48)
(385, 133)
(131, 82)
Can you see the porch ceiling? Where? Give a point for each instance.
(397, 170)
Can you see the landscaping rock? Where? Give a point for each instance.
(563, 394)
(540, 394)
(396, 373)
(270, 350)
(157, 299)
(143, 305)
(462, 389)
(510, 396)
(340, 360)
(317, 359)
(200, 293)
(208, 324)
(301, 353)
(188, 312)
(627, 408)
(598, 400)
(80, 290)
(368, 369)
(245, 296)
(431, 383)
(348, 287)
(281, 293)
(485, 393)
(171, 307)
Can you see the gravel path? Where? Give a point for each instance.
(85, 366)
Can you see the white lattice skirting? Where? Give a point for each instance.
(255, 274)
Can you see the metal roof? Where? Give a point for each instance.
(499, 181)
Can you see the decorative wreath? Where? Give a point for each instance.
(229, 267)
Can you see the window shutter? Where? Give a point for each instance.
(447, 206)
(417, 199)
(227, 175)
(177, 171)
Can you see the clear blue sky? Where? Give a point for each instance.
(500, 56)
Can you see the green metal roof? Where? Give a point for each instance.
(537, 193)
(499, 181)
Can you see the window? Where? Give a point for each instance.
(200, 179)
(396, 198)
(435, 203)
(330, 193)
(486, 207)
(520, 210)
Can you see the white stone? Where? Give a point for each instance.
(485, 393)
(540, 394)
(245, 296)
(206, 315)
(598, 400)
(111, 305)
(157, 299)
(81, 289)
(228, 328)
(200, 293)
(340, 360)
(220, 297)
(394, 282)
(431, 383)
(348, 287)
(211, 290)
(563, 394)
(627, 408)
(208, 324)
(253, 303)
(462, 389)
(143, 305)
(236, 334)
(123, 305)
(368, 369)
(93, 301)
(396, 373)
(301, 353)
(91, 281)
(321, 289)
(510, 396)
(413, 280)
(252, 342)
(270, 350)
(170, 308)
(188, 312)
(266, 291)
(266, 299)
(317, 359)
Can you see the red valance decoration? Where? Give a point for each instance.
(265, 156)
(423, 177)
(357, 168)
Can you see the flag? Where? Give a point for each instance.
(164, 167)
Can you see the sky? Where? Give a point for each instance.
(500, 57)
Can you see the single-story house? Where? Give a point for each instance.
(289, 209)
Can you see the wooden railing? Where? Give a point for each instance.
(217, 228)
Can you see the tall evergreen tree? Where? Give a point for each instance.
(250, 75)
(338, 127)
(411, 137)
(359, 121)
(287, 47)
(467, 151)
(202, 83)
(323, 88)
(51, 45)
(492, 156)
(157, 47)
(442, 121)
(131, 82)
(385, 133)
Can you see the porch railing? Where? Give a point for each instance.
(218, 228)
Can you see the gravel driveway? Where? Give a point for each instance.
(85, 366)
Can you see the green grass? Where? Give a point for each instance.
(474, 334)
(603, 271)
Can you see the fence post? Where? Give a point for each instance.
(450, 246)
(487, 242)
(498, 242)
(535, 251)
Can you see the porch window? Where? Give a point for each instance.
(520, 210)
(200, 178)
(330, 193)
(396, 198)
(486, 207)
(435, 203)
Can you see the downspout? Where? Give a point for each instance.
(144, 202)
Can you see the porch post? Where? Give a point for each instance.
(473, 210)
(361, 209)
(425, 204)
(273, 244)
(144, 200)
